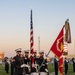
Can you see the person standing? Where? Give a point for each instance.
(73, 64)
(34, 70)
(43, 68)
(18, 61)
(12, 66)
(27, 62)
(56, 65)
(6, 66)
(66, 65)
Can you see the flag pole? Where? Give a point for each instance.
(31, 41)
(39, 43)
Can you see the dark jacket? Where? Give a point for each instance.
(17, 65)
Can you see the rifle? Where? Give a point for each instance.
(42, 64)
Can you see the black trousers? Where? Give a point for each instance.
(18, 71)
(73, 68)
(66, 70)
(56, 71)
(7, 68)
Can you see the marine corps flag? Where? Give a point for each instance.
(57, 48)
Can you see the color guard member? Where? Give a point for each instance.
(43, 66)
(74, 65)
(27, 62)
(56, 65)
(66, 65)
(34, 70)
(18, 61)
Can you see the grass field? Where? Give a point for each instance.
(51, 70)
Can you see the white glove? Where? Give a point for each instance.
(43, 64)
(35, 65)
(23, 65)
(46, 70)
(47, 63)
(27, 66)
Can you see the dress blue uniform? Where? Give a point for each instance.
(73, 64)
(34, 70)
(56, 66)
(66, 65)
(43, 64)
(18, 61)
(27, 62)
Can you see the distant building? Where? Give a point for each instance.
(1, 57)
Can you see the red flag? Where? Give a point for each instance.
(60, 66)
(31, 42)
(57, 47)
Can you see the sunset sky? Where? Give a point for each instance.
(48, 18)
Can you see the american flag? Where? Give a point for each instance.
(31, 41)
(65, 47)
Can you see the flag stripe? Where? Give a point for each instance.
(65, 48)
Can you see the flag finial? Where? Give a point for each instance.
(67, 20)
